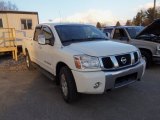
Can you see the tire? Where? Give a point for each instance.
(28, 62)
(67, 84)
(147, 57)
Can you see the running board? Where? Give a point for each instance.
(43, 71)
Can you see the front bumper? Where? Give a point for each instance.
(87, 82)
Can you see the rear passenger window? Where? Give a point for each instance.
(116, 34)
(120, 34)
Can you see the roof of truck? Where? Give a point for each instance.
(56, 24)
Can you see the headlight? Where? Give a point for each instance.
(86, 62)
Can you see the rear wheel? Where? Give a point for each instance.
(147, 57)
(68, 86)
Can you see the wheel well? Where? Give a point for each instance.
(143, 49)
(59, 66)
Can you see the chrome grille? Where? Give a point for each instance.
(107, 63)
(120, 61)
(136, 56)
(123, 60)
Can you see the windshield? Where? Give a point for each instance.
(79, 33)
(134, 31)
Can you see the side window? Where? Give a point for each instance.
(120, 34)
(37, 32)
(116, 34)
(26, 24)
(47, 33)
(1, 23)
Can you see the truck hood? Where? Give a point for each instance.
(153, 28)
(102, 48)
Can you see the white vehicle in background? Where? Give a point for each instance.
(82, 60)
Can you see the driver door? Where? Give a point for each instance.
(35, 46)
(47, 50)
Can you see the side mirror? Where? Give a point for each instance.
(41, 39)
(108, 35)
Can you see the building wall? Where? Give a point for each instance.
(13, 20)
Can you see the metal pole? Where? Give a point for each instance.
(154, 10)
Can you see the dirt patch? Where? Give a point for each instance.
(10, 65)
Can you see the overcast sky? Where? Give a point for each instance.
(87, 11)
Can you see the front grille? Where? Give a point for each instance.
(124, 60)
(107, 63)
(136, 57)
(120, 61)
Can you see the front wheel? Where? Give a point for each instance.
(68, 86)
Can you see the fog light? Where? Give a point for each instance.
(97, 85)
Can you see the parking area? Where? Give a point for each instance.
(29, 95)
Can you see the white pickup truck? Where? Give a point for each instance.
(82, 59)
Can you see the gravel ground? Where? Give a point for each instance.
(29, 95)
(7, 64)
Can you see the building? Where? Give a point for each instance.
(22, 21)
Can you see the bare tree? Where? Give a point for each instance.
(7, 6)
(139, 18)
(118, 23)
(99, 25)
(146, 17)
(129, 23)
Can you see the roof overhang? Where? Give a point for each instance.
(18, 12)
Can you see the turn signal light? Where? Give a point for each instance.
(77, 63)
